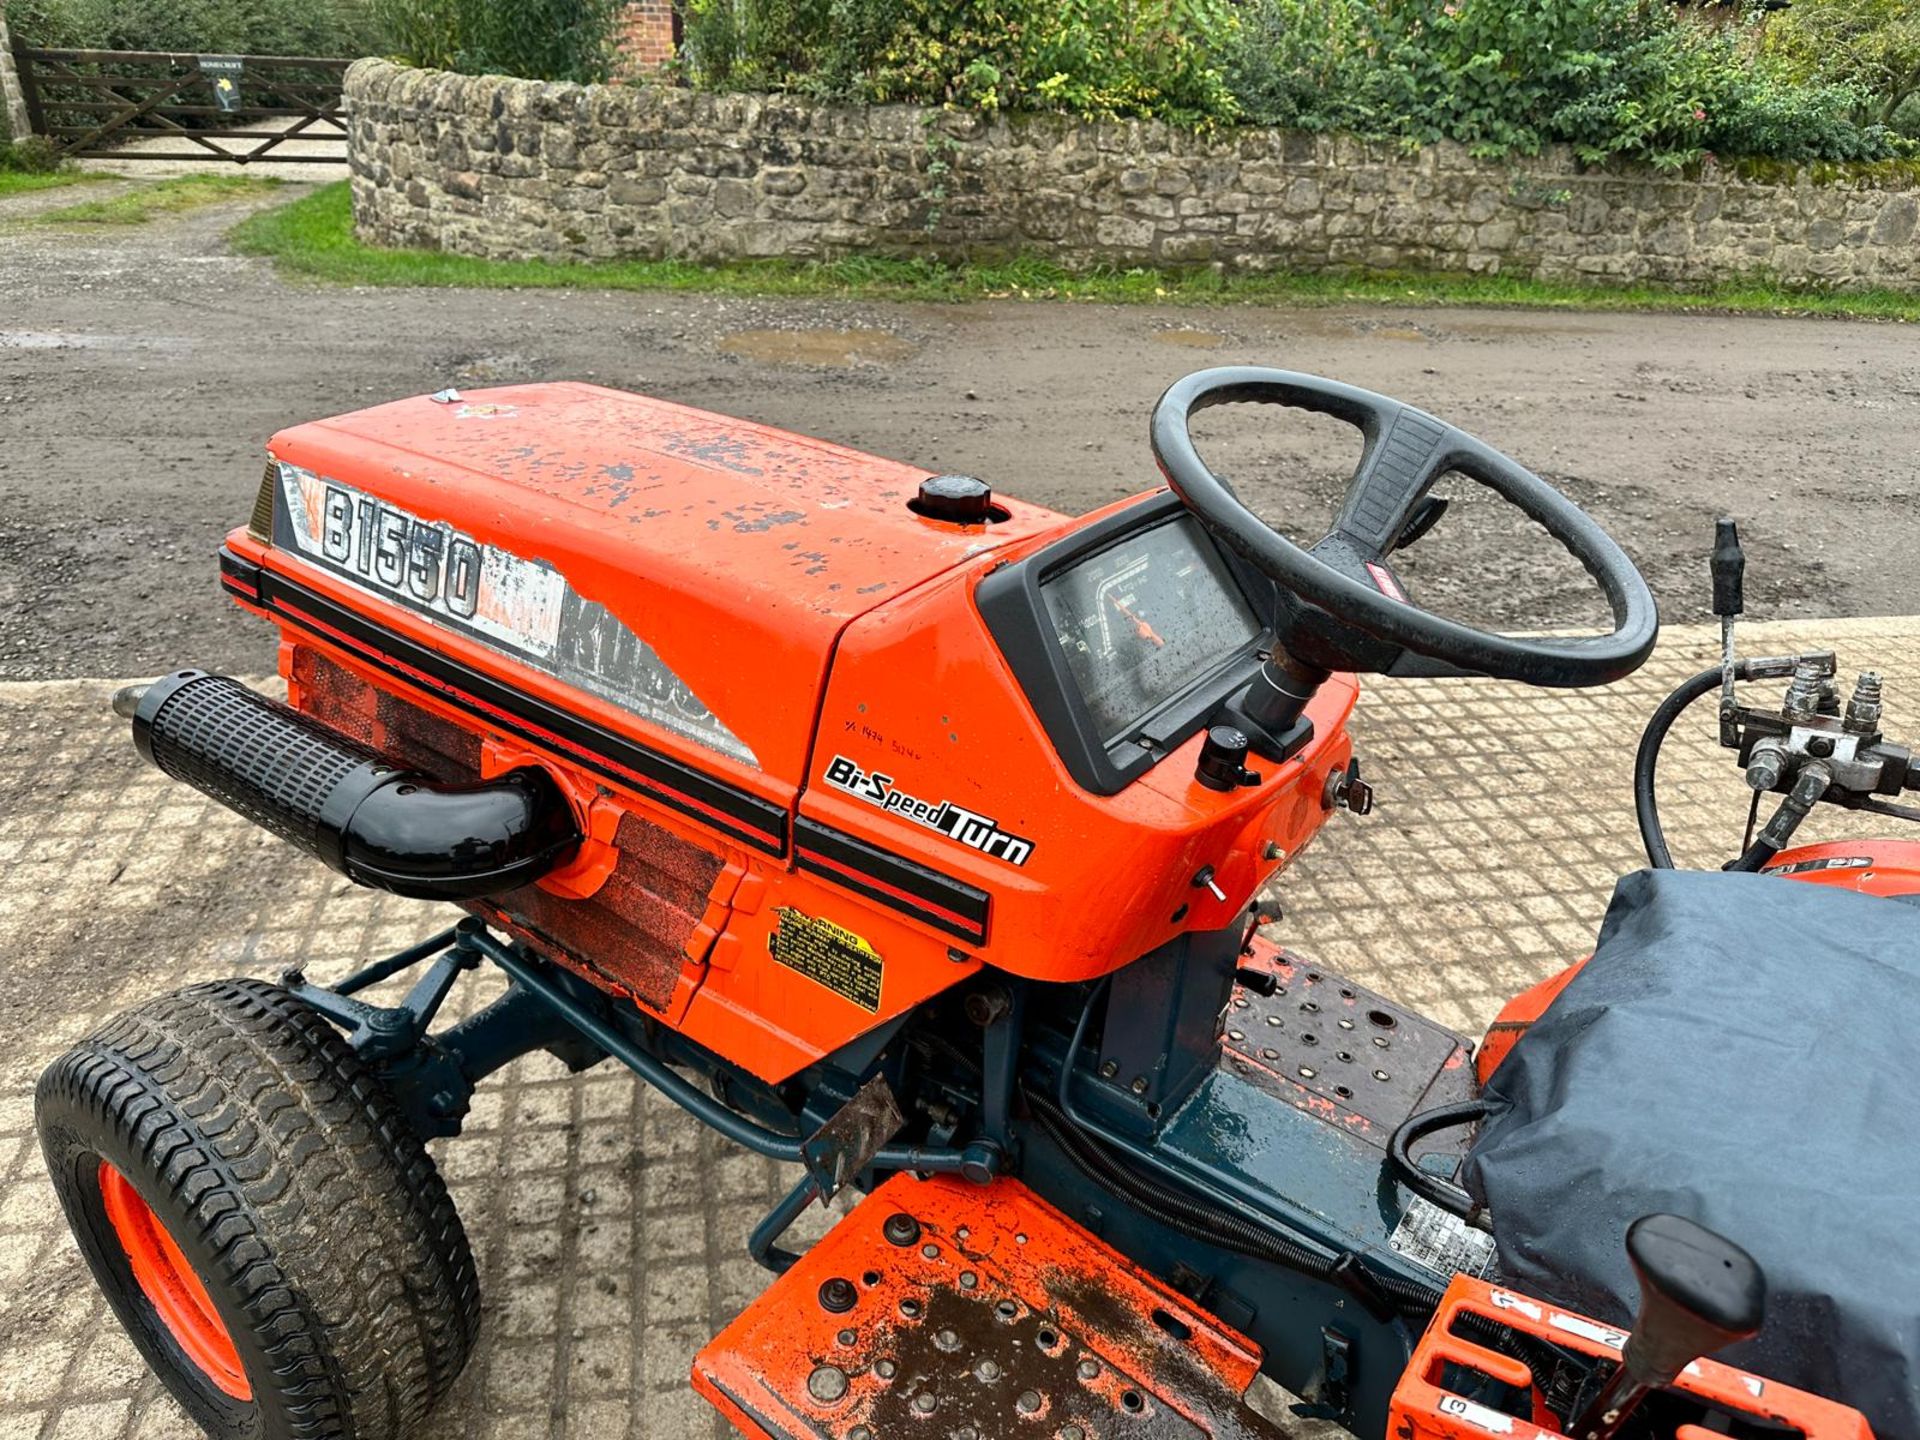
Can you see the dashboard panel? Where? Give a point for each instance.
(1126, 637)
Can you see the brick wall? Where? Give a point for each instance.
(646, 38)
(482, 165)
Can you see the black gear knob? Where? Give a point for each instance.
(1223, 759)
(1728, 566)
(1699, 1292)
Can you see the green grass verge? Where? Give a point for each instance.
(313, 237)
(21, 182)
(161, 197)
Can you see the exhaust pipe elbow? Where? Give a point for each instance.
(378, 825)
(126, 700)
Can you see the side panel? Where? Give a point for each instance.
(929, 752)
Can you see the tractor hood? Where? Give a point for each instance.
(688, 574)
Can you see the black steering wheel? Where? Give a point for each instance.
(1343, 608)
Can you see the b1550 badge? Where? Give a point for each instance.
(956, 822)
(518, 606)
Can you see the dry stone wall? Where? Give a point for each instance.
(515, 169)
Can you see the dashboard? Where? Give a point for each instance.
(1126, 637)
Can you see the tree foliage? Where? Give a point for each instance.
(1871, 44)
(233, 27)
(1629, 78)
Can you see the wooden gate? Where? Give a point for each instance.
(94, 102)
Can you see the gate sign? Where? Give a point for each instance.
(224, 72)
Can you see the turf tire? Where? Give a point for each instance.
(296, 1192)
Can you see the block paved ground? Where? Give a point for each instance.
(609, 1228)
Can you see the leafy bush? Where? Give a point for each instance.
(30, 155)
(1873, 44)
(1094, 58)
(1308, 65)
(1609, 77)
(536, 39)
(234, 27)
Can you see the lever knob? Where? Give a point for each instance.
(1699, 1292)
(1728, 567)
(1223, 759)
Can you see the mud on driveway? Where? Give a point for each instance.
(141, 372)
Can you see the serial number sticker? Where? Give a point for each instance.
(1441, 1241)
(1831, 862)
(829, 955)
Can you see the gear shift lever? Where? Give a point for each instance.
(1698, 1293)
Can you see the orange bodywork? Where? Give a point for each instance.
(796, 620)
(988, 1305)
(1424, 1408)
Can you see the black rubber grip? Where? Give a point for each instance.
(1728, 568)
(263, 759)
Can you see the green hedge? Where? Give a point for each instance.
(234, 27)
(1613, 78)
(535, 39)
(1632, 78)
(1102, 58)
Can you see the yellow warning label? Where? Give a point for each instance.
(829, 955)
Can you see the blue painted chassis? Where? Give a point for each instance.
(1324, 1189)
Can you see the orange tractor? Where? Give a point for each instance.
(912, 833)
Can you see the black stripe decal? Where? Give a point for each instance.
(242, 573)
(744, 815)
(927, 895)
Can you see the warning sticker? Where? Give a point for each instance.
(829, 955)
(1442, 1242)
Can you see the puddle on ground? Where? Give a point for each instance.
(818, 347)
(1192, 339)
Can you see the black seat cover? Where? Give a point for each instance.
(1743, 1050)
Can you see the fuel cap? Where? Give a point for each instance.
(956, 499)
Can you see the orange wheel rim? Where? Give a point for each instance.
(167, 1280)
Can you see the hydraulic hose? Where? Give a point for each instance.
(1646, 763)
(1444, 1193)
(1812, 782)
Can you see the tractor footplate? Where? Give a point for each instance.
(967, 1312)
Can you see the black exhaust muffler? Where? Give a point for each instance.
(380, 826)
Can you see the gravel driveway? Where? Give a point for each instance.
(141, 371)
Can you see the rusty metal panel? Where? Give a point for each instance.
(630, 936)
(405, 734)
(944, 1308)
(1341, 1051)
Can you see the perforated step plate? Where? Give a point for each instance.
(1338, 1050)
(940, 1308)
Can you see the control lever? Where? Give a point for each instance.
(1728, 566)
(1423, 518)
(1699, 1292)
(1223, 759)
